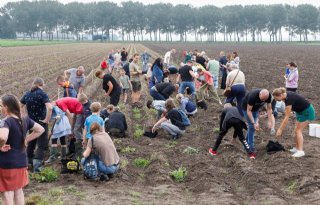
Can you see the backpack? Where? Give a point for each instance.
(90, 166)
(184, 117)
(273, 147)
(70, 165)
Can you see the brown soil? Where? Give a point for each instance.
(228, 178)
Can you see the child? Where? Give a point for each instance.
(104, 114)
(68, 89)
(94, 118)
(104, 64)
(186, 105)
(158, 105)
(125, 84)
(60, 130)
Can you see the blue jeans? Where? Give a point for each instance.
(187, 84)
(237, 91)
(215, 81)
(103, 168)
(251, 130)
(156, 95)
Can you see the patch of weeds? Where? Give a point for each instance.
(137, 116)
(56, 192)
(39, 200)
(123, 164)
(48, 174)
(122, 106)
(135, 194)
(71, 189)
(171, 144)
(141, 162)
(216, 130)
(138, 133)
(117, 141)
(153, 112)
(179, 174)
(191, 150)
(128, 150)
(135, 110)
(292, 186)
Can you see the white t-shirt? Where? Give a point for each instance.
(167, 58)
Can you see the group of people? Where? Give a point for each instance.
(175, 92)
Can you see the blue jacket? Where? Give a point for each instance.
(157, 75)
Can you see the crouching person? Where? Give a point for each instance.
(117, 124)
(230, 117)
(178, 121)
(102, 145)
(186, 105)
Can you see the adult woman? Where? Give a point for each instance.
(39, 109)
(236, 58)
(13, 159)
(292, 78)
(175, 126)
(109, 161)
(157, 73)
(304, 113)
(236, 80)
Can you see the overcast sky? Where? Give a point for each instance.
(219, 3)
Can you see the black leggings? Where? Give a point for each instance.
(36, 148)
(62, 140)
(292, 89)
(238, 131)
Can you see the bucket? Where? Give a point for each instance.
(312, 129)
(318, 132)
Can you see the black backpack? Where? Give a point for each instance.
(273, 147)
(90, 166)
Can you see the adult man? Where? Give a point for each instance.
(145, 60)
(76, 78)
(230, 117)
(117, 57)
(252, 102)
(186, 75)
(167, 61)
(163, 91)
(213, 68)
(124, 56)
(223, 68)
(135, 79)
(110, 86)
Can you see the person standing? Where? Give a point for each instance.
(117, 58)
(38, 107)
(236, 58)
(124, 56)
(167, 61)
(110, 86)
(292, 78)
(236, 80)
(304, 113)
(213, 68)
(187, 76)
(125, 84)
(14, 138)
(135, 79)
(145, 60)
(76, 78)
(223, 68)
(252, 102)
(230, 117)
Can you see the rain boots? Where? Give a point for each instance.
(53, 155)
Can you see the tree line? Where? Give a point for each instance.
(134, 20)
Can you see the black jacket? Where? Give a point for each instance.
(117, 120)
(165, 89)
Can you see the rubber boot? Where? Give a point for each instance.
(63, 152)
(79, 149)
(37, 163)
(53, 155)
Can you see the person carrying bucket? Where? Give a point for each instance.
(304, 113)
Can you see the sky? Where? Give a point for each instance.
(197, 3)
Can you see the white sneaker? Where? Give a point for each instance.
(293, 150)
(299, 153)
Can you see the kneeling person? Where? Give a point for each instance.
(117, 124)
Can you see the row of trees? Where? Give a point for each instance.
(134, 20)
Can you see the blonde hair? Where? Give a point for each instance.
(169, 104)
(95, 107)
(82, 98)
(279, 91)
(179, 97)
(110, 108)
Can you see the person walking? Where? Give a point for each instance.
(223, 68)
(304, 113)
(145, 56)
(207, 84)
(124, 56)
(135, 79)
(292, 78)
(213, 68)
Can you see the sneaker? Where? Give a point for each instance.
(293, 150)
(252, 156)
(212, 152)
(299, 153)
(220, 102)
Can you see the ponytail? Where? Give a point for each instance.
(37, 82)
(279, 91)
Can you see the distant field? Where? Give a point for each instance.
(15, 43)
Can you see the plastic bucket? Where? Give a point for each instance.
(318, 132)
(312, 129)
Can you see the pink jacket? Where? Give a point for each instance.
(292, 79)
